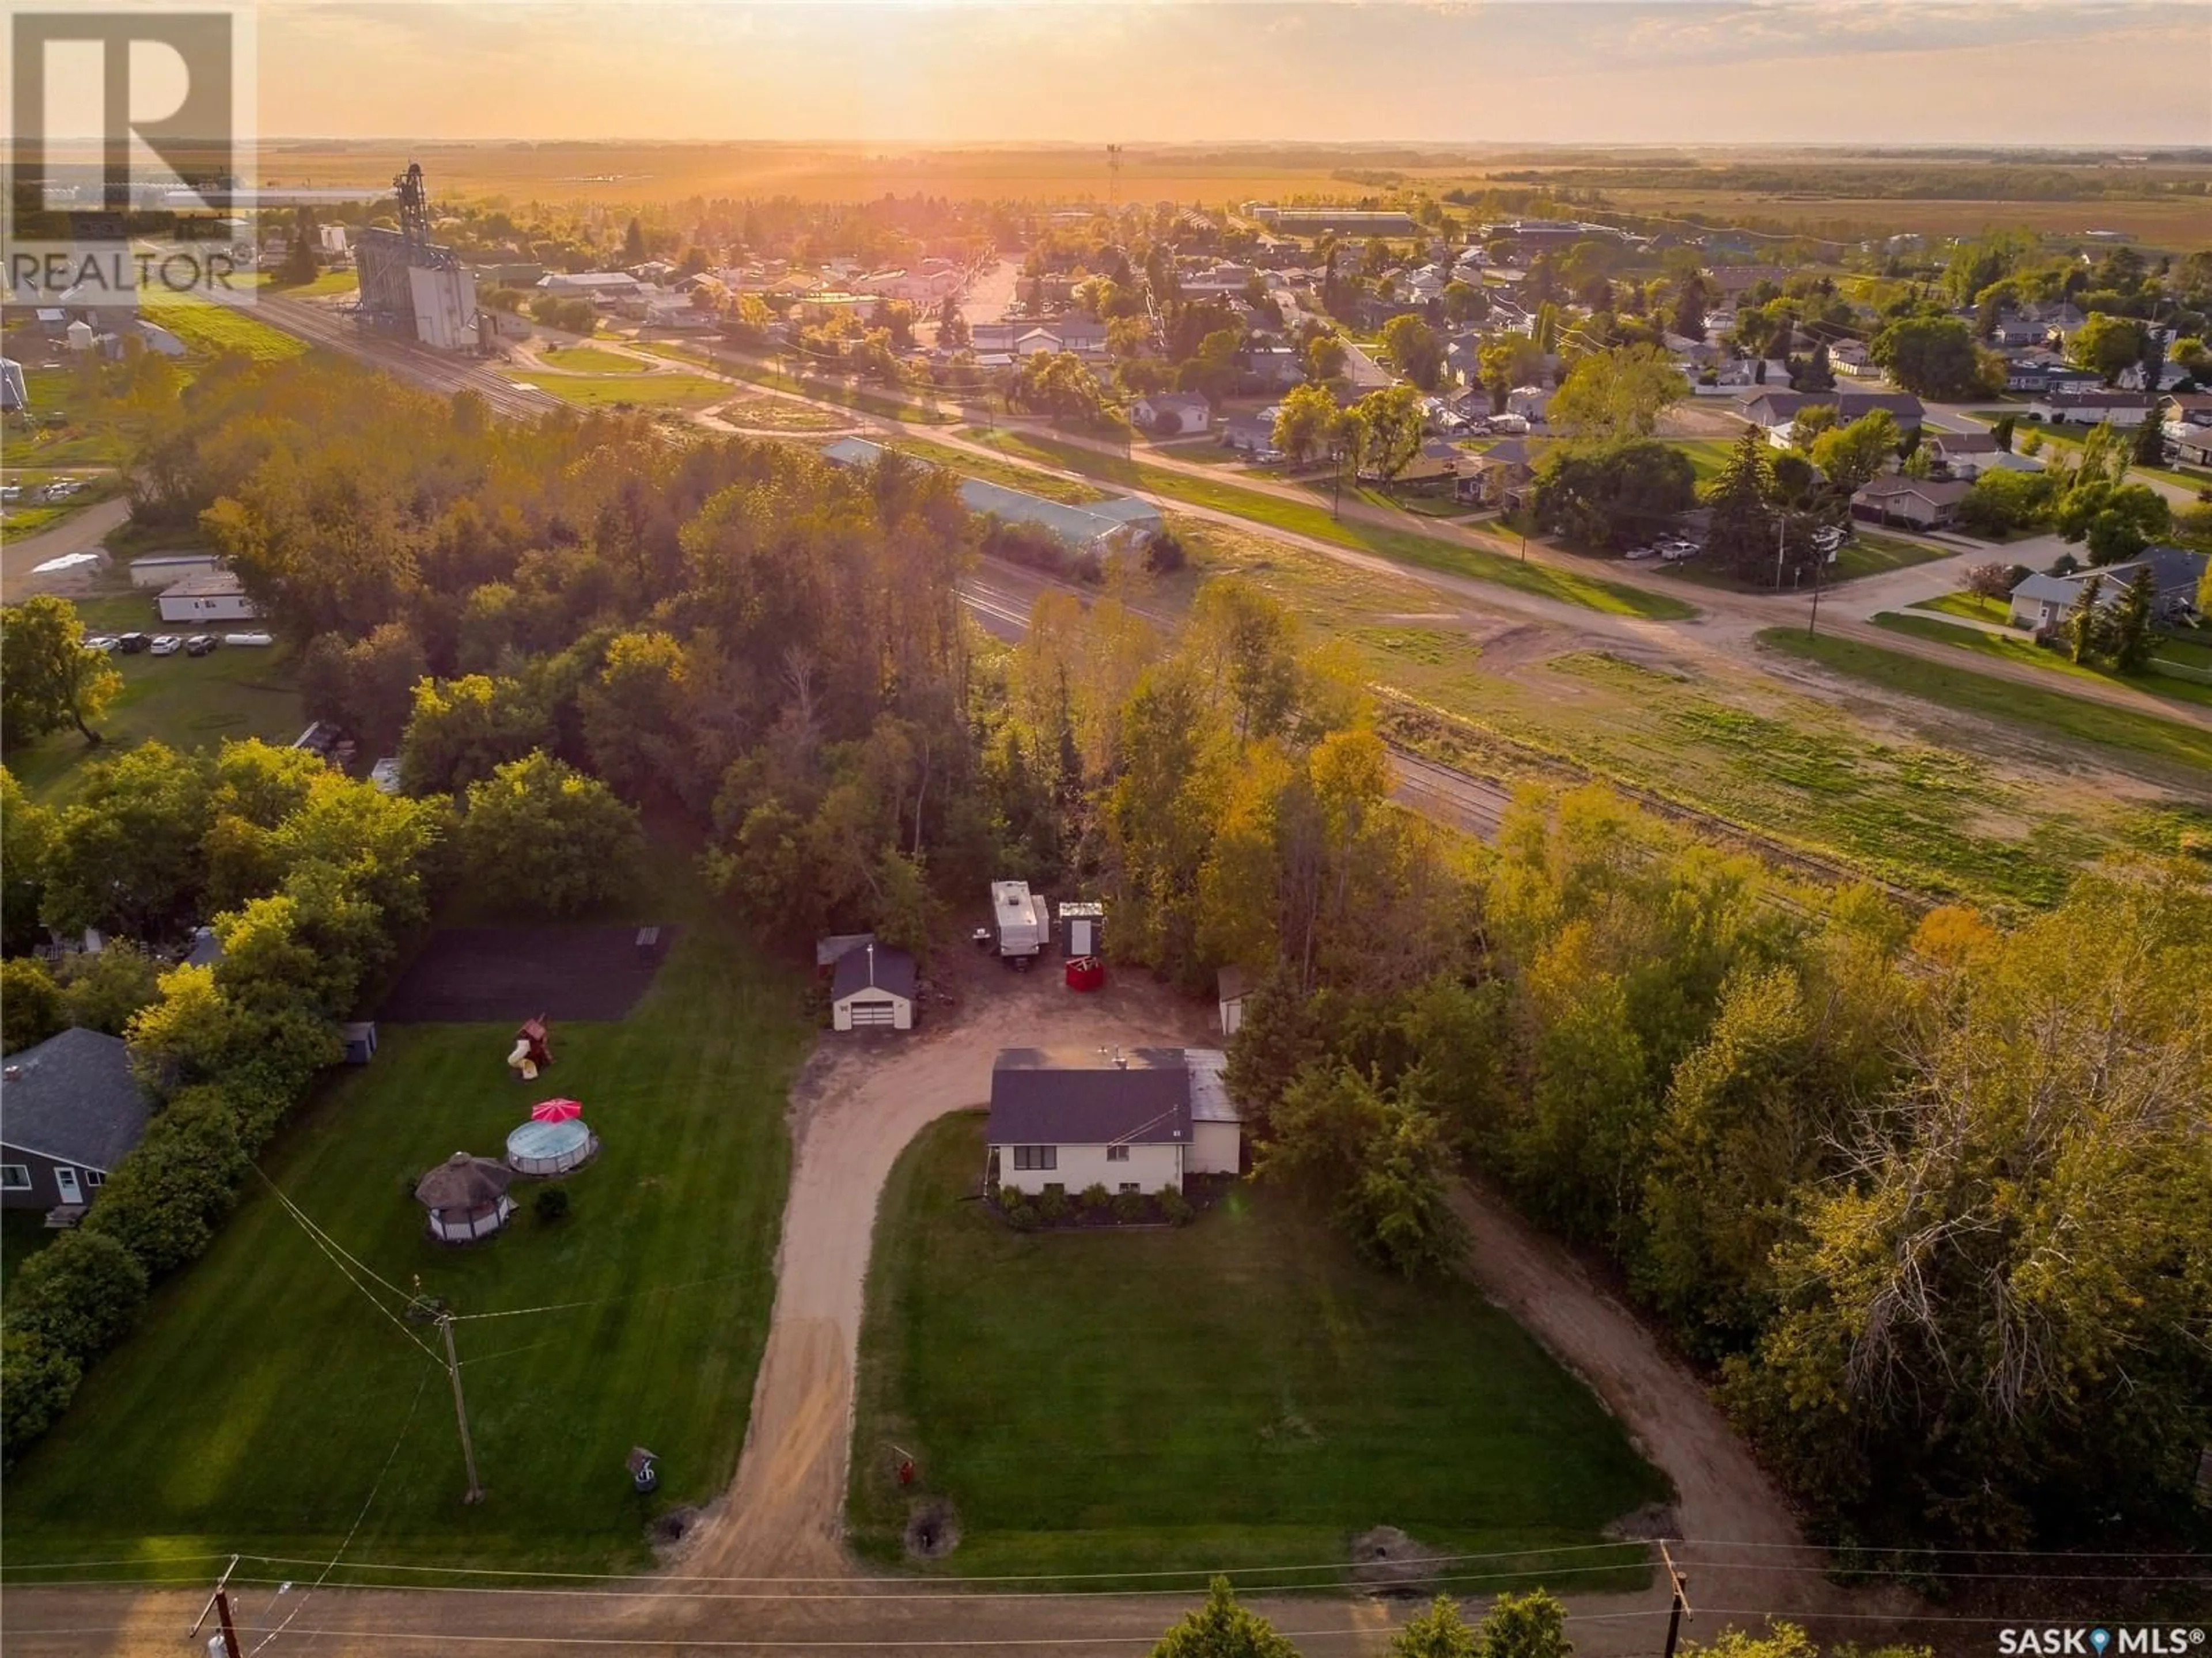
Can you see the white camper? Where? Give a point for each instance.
(1024, 921)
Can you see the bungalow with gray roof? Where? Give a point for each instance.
(1131, 1120)
(69, 1109)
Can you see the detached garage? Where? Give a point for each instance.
(873, 989)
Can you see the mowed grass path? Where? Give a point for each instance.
(257, 1405)
(1402, 546)
(2096, 723)
(1242, 1390)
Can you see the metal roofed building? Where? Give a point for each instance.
(1099, 526)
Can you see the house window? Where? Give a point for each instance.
(1128, 1185)
(1117, 1153)
(15, 1177)
(1037, 1156)
(94, 1177)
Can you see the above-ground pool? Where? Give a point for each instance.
(549, 1148)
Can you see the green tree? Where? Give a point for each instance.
(30, 1003)
(299, 267)
(2106, 345)
(104, 992)
(27, 831)
(162, 1201)
(1608, 498)
(1464, 302)
(1385, 429)
(1437, 1632)
(1530, 1625)
(635, 719)
(1513, 360)
(1741, 539)
(1618, 394)
(1324, 357)
(1851, 457)
(2086, 624)
(633, 243)
(540, 836)
(463, 730)
(37, 1381)
(47, 677)
(1307, 423)
(2131, 623)
(1414, 350)
(127, 856)
(1933, 357)
(1221, 1629)
(82, 1292)
(2148, 446)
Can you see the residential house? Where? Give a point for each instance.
(1850, 357)
(2092, 408)
(1172, 413)
(1127, 1120)
(2188, 421)
(2170, 374)
(1917, 503)
(1251, 433)
(2018, 328)
(206, 596)
(1497, 476)
(1776, 409)
(1969, 454)
(1436, 459)
(601, 287)
(69, 1109)
(872, 987)
(1273, 367)
(2041, 602)
(1529, 402)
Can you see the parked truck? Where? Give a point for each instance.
(1024, 920)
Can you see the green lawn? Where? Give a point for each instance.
(2019, 649)
(207, 328)
(852, 396)
(2065, 437)
(1404, 546)
(256, 1407)
(1237, 1391)
(1869, 553)
(591, 359)
(329, 282)
(1973, 606)
(758, 411)
(186, 701)
(640, 391)
(2073, 718)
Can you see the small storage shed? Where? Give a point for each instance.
(1217, 1127)
(359, 1038)
(1082, 929)
(873, 989)
(550, 1148)
(1230, 989)
(467, 1196)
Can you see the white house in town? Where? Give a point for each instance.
(161, 570)
(1132, 1120)
(2091, 408)
(1172, 413)
(872, 987)
(2043, 603)
(208, 596)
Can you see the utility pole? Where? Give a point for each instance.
(1781, 535)
(1821, 556)
(460, 1408)
(219, 1604)
(1680, 1608)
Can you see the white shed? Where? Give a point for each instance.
(1230, 989)
(873, 989)
(1217, 1127)
(159, 570)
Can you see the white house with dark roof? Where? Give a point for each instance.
(2092, 407)
(1130, 1120)
(69, 1109)
(2044, 602)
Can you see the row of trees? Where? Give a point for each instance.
(2088, 499)
(1849, 1158)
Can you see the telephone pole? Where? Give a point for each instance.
(1680, 1608)
(460, 1408)
(219, 1604)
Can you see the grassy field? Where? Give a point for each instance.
(1870, 553)
(591, 359)
(1239, 1391)
(207, 328)
(639, 390)
(1403, 546)
(2072, 718)
(257, 1406)
(2014, 648)
(186, 701)
(331, 282)
(764, 413)
(887, 403)
(1930, 802)
(999, 471)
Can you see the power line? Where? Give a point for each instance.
(315, 1230)
(397, 1322)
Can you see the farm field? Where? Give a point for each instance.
(256, 1405)
(2053, 712)
(1239, 1390)
(591, 359)
(1404, 546)
(643, 390)
(1944, 803)
(207, 328)
(329, 282)
(2016, 649)
(188, 702)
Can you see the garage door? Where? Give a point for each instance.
(873, 1013)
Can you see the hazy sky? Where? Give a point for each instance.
(1913, 71)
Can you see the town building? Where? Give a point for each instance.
(206, 596)
(69, 1109)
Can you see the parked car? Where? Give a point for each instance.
(101, 642)
(1676, 554)
(167, 645)
(132, 643)
(1641, 552)
(201, 644)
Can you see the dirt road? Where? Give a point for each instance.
(79, 533)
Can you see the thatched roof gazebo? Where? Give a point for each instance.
(467, 1196)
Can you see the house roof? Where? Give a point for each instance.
(2174, 570)
(463, 1182)
(2053, 589)
(72, 1097)
(1179, 400)
(873, 966)
(1964, 443)
(1936, 491)
(1209, 1086)
(1231, 983)
(1080, 1097)
(2100, 400)
(827, 951)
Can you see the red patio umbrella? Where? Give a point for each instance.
(556, 1111)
